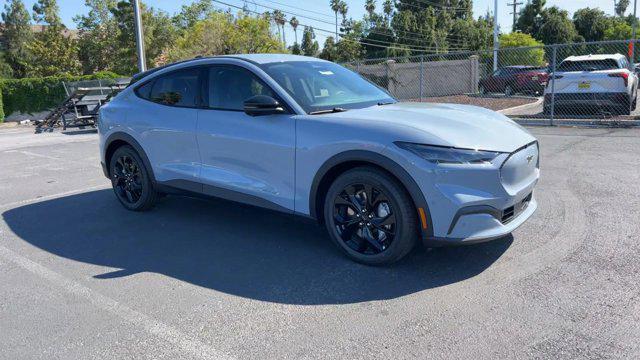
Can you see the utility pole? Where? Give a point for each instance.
(142, 63)
(496, 46)
(515, 13)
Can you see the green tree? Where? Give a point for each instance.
(280, 19)
(6, 72)
(160, 33)
(556, 27)
(15, 37)
(529, 56)
(621, 7)
(222, 33)
(619, 30)
(329, 50)
(295, 49)
(335, 7)
(294, 25)
(349, 47)
(190, 14)
(591, 23)
(97, 38)
(529, 17)
(309, 45)
(53, 52)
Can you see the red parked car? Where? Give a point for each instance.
(515, 79)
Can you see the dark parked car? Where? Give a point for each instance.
(515, 79)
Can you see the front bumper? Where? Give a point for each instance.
(484, 225)
(469, 204)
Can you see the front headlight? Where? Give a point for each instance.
(447, 155)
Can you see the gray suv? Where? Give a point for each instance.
(308, 137)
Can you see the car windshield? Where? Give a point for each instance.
(319, 86)
(588, 65)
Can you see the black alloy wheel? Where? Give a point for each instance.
(364, 218)
(131, 180)
(127, 178)
(370, 216)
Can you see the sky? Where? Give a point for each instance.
(319, 15)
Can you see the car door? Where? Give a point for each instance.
(245, 158)
(167, 121)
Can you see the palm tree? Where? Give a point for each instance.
(294, 24)
(279, 19)
(343, 10)
(370, 7)
(335, 6)
(387, 7)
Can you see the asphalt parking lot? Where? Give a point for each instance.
(81, 278)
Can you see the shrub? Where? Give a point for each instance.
(532, 55)
(1, 109)
(32, 95)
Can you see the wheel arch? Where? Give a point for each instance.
(338, 164)
(118, 139)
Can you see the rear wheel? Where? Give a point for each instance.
(131, 180)
(370, 216)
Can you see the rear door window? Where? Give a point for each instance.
(179, 88)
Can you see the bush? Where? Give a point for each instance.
(32, 95)
(1, 109)
(533, 55)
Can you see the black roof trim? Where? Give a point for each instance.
(139, 76)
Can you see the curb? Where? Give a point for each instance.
(539, 101)
(583, 123)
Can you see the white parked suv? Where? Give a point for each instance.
(605, 82)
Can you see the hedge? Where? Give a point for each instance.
(32, 95)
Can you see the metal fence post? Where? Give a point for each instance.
(553, 84)
(421, 77)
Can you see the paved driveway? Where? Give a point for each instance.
(81, 278)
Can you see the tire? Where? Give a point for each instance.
(130, 180)
(378, 228)
(482, 90)
(634, 103)
(625, 108)
(508, 90)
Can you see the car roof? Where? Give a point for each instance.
(596, 57)
(259, 59)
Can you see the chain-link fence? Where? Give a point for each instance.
(594, 81)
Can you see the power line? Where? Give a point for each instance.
(391, 46)
(515, 12)
(404, 38)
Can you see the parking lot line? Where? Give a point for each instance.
(153, 326)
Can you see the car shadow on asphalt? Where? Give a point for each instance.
(236, 249)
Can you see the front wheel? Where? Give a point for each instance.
(370, 216)
(130, 180)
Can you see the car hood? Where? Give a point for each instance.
(461, 126)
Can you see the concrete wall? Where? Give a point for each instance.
(416, 80)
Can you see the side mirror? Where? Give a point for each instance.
(262, 105)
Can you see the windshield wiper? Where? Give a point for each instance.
(386, 103)
(328, 111)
